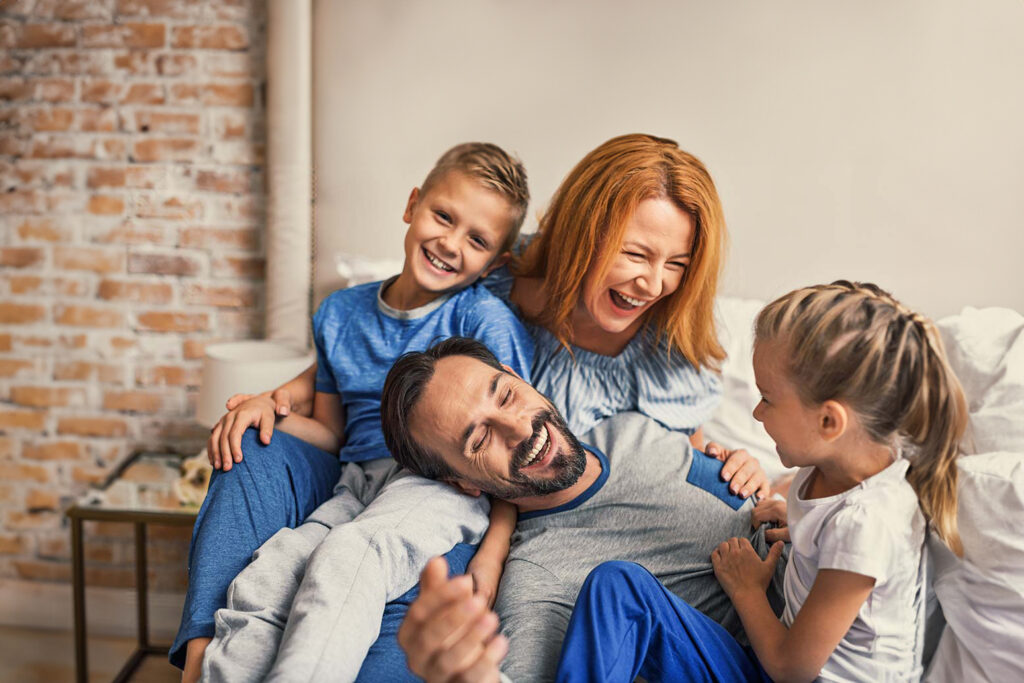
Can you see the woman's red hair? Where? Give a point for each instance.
(584, 225)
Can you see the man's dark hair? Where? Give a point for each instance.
(402, 390)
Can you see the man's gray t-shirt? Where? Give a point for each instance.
(642, 509)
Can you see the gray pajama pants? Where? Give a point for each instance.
(309, 605)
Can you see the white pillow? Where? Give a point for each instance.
(733, 424)
(982, 594)
(986, 350)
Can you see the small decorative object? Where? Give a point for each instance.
(191, 487)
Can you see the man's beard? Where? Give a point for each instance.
(568, 467)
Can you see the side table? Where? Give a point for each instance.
(138, 493)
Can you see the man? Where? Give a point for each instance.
(454, 413)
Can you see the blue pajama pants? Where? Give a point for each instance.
(627, 624)
(275, 486)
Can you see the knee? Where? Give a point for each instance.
(615, 578)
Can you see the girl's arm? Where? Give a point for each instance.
(799, 652)
(325, 430)
(489, 562)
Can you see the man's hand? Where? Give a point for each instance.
(449, 635)
(739, 568)
(486, 577)
(771, 511)
(225, 445)
(742, 470)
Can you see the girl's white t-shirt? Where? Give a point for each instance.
(875, 529)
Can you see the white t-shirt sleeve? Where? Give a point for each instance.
(858, 540)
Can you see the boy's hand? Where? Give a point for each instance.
(771, 511)
(225, 444)
(742, 470)
(739, 569)
(448, 634)
(282, 399)
(486, 577)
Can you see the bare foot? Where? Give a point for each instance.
(194, 659)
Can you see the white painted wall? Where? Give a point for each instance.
(878, 140)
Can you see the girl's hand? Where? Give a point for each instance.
(742, 470)
(486, 577)
(771, 511)
(739, 569)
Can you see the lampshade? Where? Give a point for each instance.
(245, 367)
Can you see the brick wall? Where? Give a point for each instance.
(131, 213)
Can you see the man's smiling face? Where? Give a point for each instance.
(498, 433)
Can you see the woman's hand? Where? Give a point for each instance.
(225, 444)
(771, 511)
(742, 470)
(739, 568)
(486, 577)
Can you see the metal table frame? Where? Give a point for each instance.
(79, 513)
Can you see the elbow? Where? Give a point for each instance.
(793, 673)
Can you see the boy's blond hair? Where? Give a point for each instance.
(496, 169)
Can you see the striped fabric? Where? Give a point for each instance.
(644, 377)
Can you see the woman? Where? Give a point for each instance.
(618, 290)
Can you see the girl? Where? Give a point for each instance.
(856, 391)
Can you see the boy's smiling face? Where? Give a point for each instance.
(456, 230)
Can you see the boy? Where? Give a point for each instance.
(382, 524)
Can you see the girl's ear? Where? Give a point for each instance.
(833, 420)
(410, 205)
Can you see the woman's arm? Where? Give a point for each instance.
(325, 430)
(489, 562)
(799, 652)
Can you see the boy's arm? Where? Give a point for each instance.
(325, 429)
(489, 562)
(294, 396)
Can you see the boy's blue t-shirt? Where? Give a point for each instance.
(358, 337)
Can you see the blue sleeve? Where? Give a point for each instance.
(322, 325)
(493, 323)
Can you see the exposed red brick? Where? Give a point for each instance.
(24, 284)
(138, 291)
(169, 149)
(168, 375)
(53, 450)
(46, 397)
(102, 120)
(163, 264)
(184, 93)
(92, 426)
(106, 205)
(227, 94)
(132, 401)
(52, 119)
(22, 201)
(24, 520)
(145, 93)
(218, 37)
(37, 570)
(85, 371)
(236, 238)
(176, 64)
(165, 321)
(11, 544)
(177, 208)
(21, 257)
(101, 90)
(106, 176)
(124, 35)
(87, 316)
(15, 89)
(5, 342)
(36, 500)
(131, 233)
(76, 10)
(238, 266)
(231, 65)
(42, 230)
(55, 89)
(35, 36)
(230, 296)
(93, 259)
(13, 367)
(236, 182)
(146, 177)
(169, 123)
(13, 314)
(175, 9)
